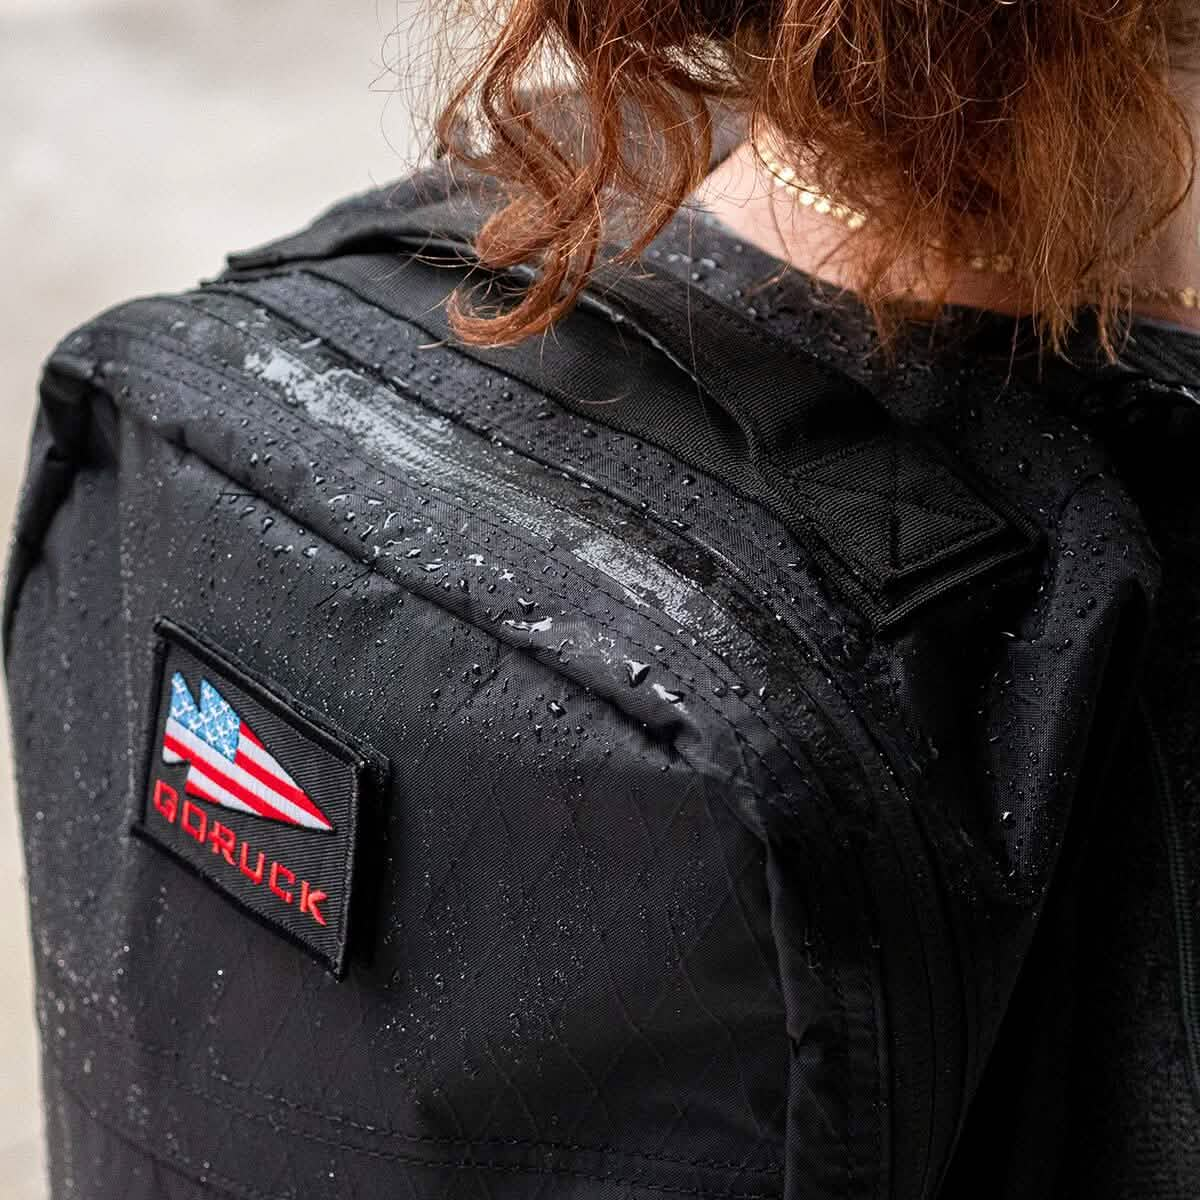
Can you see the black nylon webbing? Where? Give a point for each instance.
(650, 355)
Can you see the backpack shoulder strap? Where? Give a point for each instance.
(882, 508)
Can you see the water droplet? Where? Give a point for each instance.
(542, 626)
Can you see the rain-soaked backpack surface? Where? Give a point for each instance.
(640, 763)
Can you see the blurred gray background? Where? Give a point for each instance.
(139, 140)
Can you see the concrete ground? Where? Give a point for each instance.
(139, 140)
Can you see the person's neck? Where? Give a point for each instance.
(765, 212)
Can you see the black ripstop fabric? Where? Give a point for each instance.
(789, 798)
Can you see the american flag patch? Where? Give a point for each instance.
(227, 764)
(258, 793)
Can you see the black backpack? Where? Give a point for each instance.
(633, 764)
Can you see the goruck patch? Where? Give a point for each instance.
(253, 793)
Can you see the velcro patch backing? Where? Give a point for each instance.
(254, 793)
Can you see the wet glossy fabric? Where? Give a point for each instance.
(691, 877)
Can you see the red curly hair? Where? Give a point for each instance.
(1046, 130)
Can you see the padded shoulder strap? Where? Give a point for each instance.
(883, 510)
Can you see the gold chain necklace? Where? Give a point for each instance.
(997, 264)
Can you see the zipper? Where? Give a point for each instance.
(1185, 926)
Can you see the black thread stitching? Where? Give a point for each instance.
(416, 1160)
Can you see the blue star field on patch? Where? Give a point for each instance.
(215, 722)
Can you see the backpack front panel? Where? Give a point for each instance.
(564, 973)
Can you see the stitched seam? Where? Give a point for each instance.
(743, 329)
(397, 1156)
(967, 506)
(172, 1160)
(878, 1002)
(963, 511)
(123, 1042)
(876, 1126)
(835, 981)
